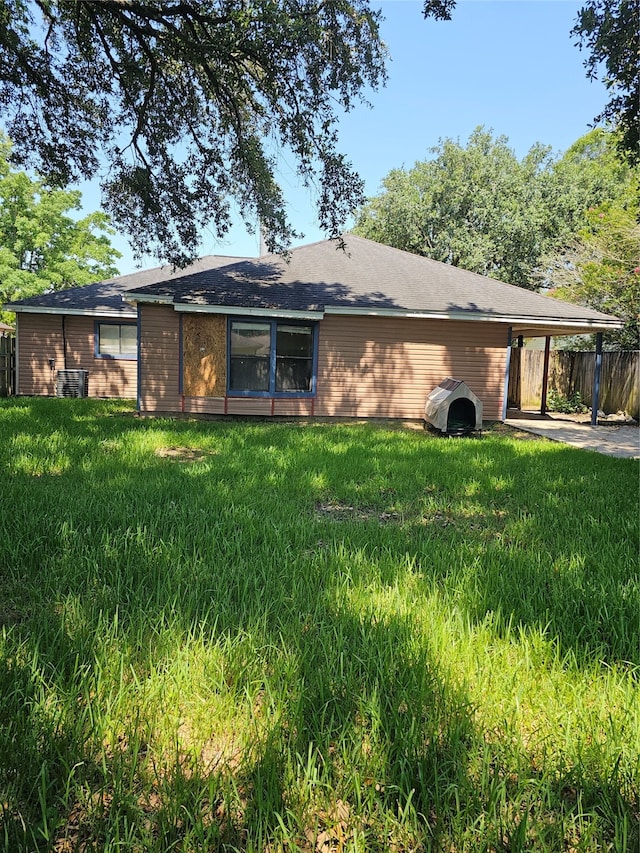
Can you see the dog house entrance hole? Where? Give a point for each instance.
(461, 417)
(453, 409)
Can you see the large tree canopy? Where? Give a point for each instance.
(475, 207)
(480, 208)
(600, 267)
(42, 247)
(189, 102)
(610, 31)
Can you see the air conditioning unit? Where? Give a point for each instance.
(72, 383)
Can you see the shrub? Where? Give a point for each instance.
(573, 404)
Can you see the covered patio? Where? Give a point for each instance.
(517, 334)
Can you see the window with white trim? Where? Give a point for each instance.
(116, 340)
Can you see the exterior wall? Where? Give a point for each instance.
(160, 364)
(386, 367)
(204, 405)
(294, 408)
(369, 367)
(160, 359)
(247, 406)
(108, 377)
(41, 337)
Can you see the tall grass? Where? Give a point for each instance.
(266, 637)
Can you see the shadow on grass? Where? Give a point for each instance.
(111, 544)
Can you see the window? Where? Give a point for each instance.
(250, 356)
(294, 358)
(271, 357)
(116, 340)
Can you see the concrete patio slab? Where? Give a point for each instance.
(621, 440)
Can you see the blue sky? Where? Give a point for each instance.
(510, 65)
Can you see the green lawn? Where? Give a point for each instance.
(262, 636)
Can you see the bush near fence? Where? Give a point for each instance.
(573, 371)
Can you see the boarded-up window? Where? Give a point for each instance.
(204, 354)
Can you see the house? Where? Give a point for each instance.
(361, 331)
(89, 328)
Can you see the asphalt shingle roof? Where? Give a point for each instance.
(365, 277)
(108, 296)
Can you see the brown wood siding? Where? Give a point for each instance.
(159, 359)
(108, 377)
(40, 338)
(367, 367)
(248, 406)
(386, 367)
(294, 408)
(204, 405)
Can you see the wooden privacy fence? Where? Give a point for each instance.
(573, 371)
(7, 365)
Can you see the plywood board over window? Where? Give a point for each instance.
(204, 355)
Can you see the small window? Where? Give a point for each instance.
(271, 357)
(116, 340)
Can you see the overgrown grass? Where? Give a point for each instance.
(268, 637)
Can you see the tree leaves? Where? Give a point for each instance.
(610, 30)
(190, 103)
(476, 207)
(600, 268)
(42, 248)
(567, 225)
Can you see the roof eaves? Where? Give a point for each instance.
(126, 311)
(239, 310)
(476, 316)
(135, 296)
(588, 324)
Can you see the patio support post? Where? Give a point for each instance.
(595, 397)
(545, 375)
(507, 368)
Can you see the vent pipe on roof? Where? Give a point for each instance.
(263, 241)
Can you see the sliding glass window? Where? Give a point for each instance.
(273, 357)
